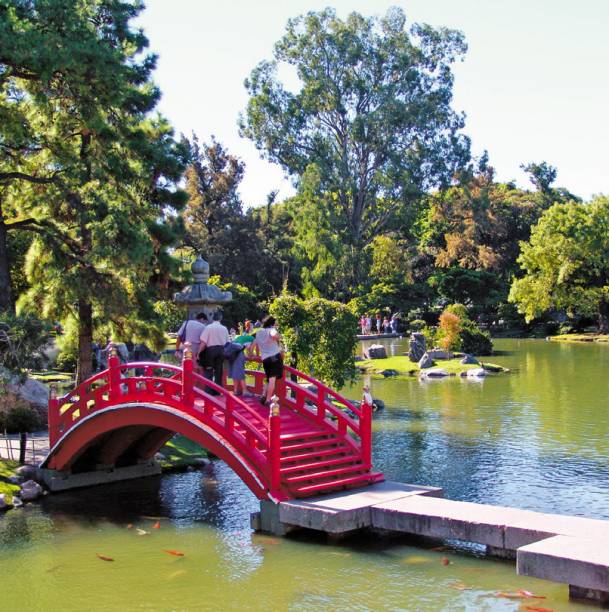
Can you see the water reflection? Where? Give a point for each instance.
(534, 438)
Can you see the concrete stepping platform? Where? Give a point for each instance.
(582, 562)
(496, 526)
(347, 511)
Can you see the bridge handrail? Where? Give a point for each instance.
(359, 427)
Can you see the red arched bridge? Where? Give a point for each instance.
(313, 442)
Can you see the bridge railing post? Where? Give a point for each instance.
(53, 415)
(114, 372)
(275, 444)
(187, 376)
(365, 427)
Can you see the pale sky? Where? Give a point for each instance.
(534, 84)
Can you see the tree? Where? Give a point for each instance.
(93, 176)
(372, 118)
(237, 244)
(320, 336)
(566, 263)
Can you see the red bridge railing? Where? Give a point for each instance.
(254, 432)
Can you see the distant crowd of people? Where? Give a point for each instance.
(379, 324)
(212, 343)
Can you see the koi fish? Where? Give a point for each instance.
(104, 558)
(175, 553)
(460, 586)
(519, 594)
(141, 531)
(538, 609)
(529, 595)
(176, 574)
(129, 526)
(445, 561)
(157, 525)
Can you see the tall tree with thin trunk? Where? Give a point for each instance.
(371, 117)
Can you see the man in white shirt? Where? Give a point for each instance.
(211, 348)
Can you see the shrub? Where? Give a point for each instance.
(417, 325)
(474, 340)
(22, 419)
(449, 331)
(459, 310)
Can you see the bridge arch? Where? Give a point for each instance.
(313, 441)
(137, 431)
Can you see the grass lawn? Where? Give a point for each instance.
(404, 367)
(180, 452)
(52, 376)
(585, 337)
(7, 469)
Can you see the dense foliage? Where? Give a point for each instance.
(390, 212)
(84, 166)
(319, 335)
(566, 263)
(369, 130)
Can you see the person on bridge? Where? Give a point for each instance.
(211, 348)
(268, 341)
(191, 331)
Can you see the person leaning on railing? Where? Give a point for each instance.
(268, 341)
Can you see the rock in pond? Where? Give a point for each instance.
(435, 373)
(388, 373)
(492, 368)
(426, 361)
(417, 346)
(467, 359)
(476, 373)
(377, 351)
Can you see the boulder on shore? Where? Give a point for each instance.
(26, 472)
(417, 346)
(4, 503)
(437, 353)
(389, 372)
(467, 359)
(434, 373)
(426, 361)
(30, 491)
(377, 351)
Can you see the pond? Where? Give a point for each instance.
(534, 438)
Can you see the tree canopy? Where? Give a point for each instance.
(83, 165)
(371, 119)
(566, 263)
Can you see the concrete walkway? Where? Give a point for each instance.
(568, 549)
(37, 447)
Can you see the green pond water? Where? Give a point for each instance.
(535, 438)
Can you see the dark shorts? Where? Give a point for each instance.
(273, 366)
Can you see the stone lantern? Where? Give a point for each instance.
(201, 296)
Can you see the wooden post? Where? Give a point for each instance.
(366, 428)
(275, 444)
(53, 415)
(114, 372)
(187, 377)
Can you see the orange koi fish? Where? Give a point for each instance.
(104, 558)
(175, 553)
(157, 525)
(537, 609)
